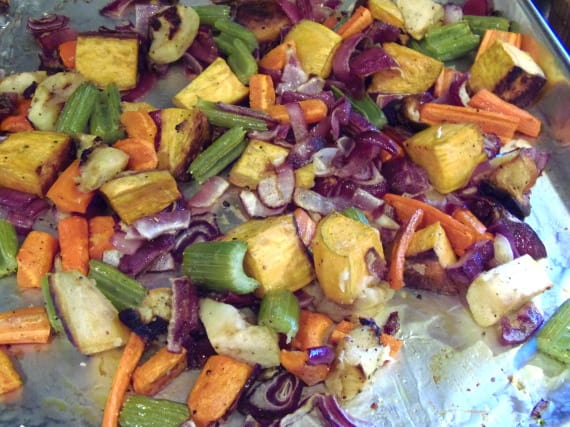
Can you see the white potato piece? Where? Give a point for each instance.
(172, 32)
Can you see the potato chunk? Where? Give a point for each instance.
(30, 161)
(433, 237)
(256, 163)
(105, 59)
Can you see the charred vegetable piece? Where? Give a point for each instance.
(91, 321)
(30, 161)
(339, 249)
(509, 72)
(143, 411)
(424, 271)
(8, 248)
(554, 337)
(433, 237)
(264, 18)
(19, 83)
(108, 58)
(280, 311)
(100, 165)
(140, 194)
(9, 378)
(172, 31)
(275, 255)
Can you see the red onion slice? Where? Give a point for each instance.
(208, 193)
(153, 226)
(255, 208)
(277, 189)
(516, 331)
(185, 308)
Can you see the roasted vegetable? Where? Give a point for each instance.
(90, 320)
(508, 72)
(316, 45)
(386, 11)
(339, 249)
(448, 152)
(20, 83)
(265, 18)
(50, 97)
(217, 83)
(419, 16)
(433, 237)
(495, 293)
(554, 337)
(30, 161)
(142, 411)
(139, 194)
(416, 73)
(100, 164)
(172, 31)
(108, 58)
(424, 271)
(275, 255)
(183, 135)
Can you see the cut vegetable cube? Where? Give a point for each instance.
(9, 378)
(217, 83)
(153, 375)
(386, 11)
(105, 59)
(433, 237)
(30, 161)
(420, 15)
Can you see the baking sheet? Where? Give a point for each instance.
(450, 372)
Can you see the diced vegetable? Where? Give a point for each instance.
(73, 233)
(554, 338)
(35, 258)
(276, 58)
(25, 326)
(449, 42)
(99, 165)
(448, 152)
(217, 83)
(218, 386)
(505, 288)
(66, 52)
(241, 61)
(386, 11)
(77, 110)
(142, 411)
(91, 321)
(433, 237)
(261, 91)
(275, 255)
(159, 370)
(297, 362)
(9, 378)
(8, 248)
(105, 121)
(339, 248)
(108, 58)
(65, 193)
(490, 36)
(101, 229)
(141, 152)
(280, 311)
(314, 110)
(140, 194)
(314, 330)
(266, 19)
(358, 22)
(419, 16)
(139, 124)
(123, 291)
(30, 161)
(18, 83)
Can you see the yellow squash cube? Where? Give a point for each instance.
(433, 237)
(386, 11)
(255, 163)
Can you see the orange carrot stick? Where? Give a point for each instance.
(101, 229)
(314, 110)
(218, 386)
(35, 258)
(492, 35)
(467, 218)
(9, 378)
(306, 226)
(67, 53)
(153, 375)
(398, 257)
(296, 362)
(139, 124)
(73, 234)
(460, 236)
(358, 22)
(127, 364)
(314, 329)
(503, 125)
(29, 325)
(488, 101)
(261, 91)
(276, 58)
(64, 192)
(142, 153)
(391, 341)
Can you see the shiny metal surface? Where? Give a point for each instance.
(450, 373)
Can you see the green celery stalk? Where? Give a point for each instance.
(237, 31)
(229, 120)
(356, 214)
(105, 120)
(123, 291)
(210, 13)
(218, 266)
(224, 42)
(480, 24)
(144, 411)
(76, 112)
(554, 337)
(222, 163)
(280, 311)
(8, 248)
(449, 42)
(365, 106)
(242, 62)
(53, 318)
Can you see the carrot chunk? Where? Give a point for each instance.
(73, 234)
(29, 325)
(65, 194)
(35, 258)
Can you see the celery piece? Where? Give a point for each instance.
(105, 120)
(356, 214)
(224, 43)
(242, 62)
(8, 248)
(225, 119)
(480, 24)
(77, 110)
(450, 41)
(53, 318)
(123, 291)
(554, 337)
(218, 155)
(365, 106)
(221, 164)
(218, 266)
(144, 411)
(280, 310)
(210, 13)
(237, 31)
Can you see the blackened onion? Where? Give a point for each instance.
(185, 308)
(273, 398)
(522, 237)
(376, 265)
(516, 331)
(392, 323)
(147, 331)
(204, 48)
